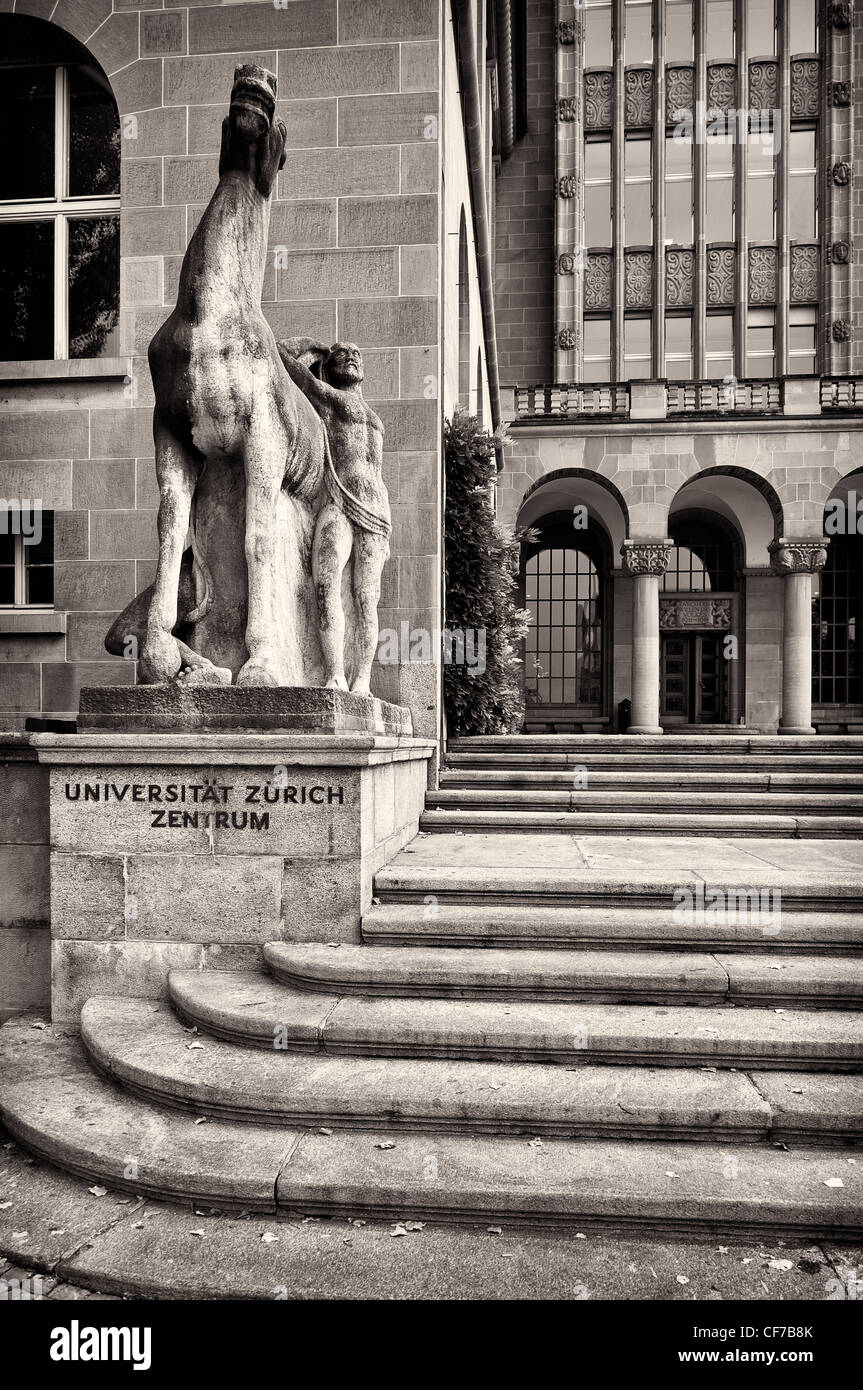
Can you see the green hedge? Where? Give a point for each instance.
(481, 567)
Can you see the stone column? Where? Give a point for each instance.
(646, 562)
(797, 561)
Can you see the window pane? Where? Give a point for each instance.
(801, 149)
(637, 159)
(801, 209)
(720, 209)
(802, 26)
(597, 214)
(597, 159)
(638, 40)
(678, 333)
(801, 338)
(759, 209)
(719, 42)
(678, 32)
(720, 334)
(597, 350)
(94, 135)
(26, 290)
(761, 28)
(94, 286)
(636, 346)
(39, 563)
(678, 211)
(638, 224)
(27, 110)
(597, 37)
(40, 585)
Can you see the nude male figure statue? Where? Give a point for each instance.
(354, 522)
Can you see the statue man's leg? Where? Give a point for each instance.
(370, 555)
(334, 538)
(265, 468)
(177, 470)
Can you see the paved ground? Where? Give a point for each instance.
(81, 1239)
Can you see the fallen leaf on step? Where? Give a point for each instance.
(682, 1279)
(268, 1238)
(833, 1182)
(4, 1206)
(60, 1231)
(20, 1235)
(774, 967)
(97, 1191)
(137, 1225)
(189, 1030)
(780, 1264)
(194, 1047)
(722, 1250)
(579, 1235)
(534, 1143)
(669, 1173)
(324, 1130)
(707, 1069)
(202, 1120)
(415, 1225)
(796, 1091)
(333, 945)
(780, 1011)
(747, 1260)
(398, 1230)
(386, 1144)
(40, 1026)
(494, 1230)
(199, 1232)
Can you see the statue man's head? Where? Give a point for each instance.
(253, 142)
(343, 365)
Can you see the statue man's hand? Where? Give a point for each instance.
(301, 347)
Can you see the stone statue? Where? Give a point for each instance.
(241, 451)
(354, 521)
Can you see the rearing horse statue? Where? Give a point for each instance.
(240, 451)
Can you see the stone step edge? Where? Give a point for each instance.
(645, 823)
(455, 1049)
(165, 1091)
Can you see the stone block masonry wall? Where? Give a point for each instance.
(354, 246)
(524, 233)
(25, 928)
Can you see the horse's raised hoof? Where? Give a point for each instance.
(336, 683)
(257, 673)
(205, 674)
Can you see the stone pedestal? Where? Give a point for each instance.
(797, 561)
(194, 849)
(646, 562)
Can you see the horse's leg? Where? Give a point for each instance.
(334, 538)
(370, 555)
(177, 470)
(264, 463)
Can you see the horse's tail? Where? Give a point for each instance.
(200, 569)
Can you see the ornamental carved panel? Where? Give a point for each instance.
(763, 274)
(695, 612)
(638, 97)
(638, 280)
(840, 14)
(566, 340)
(567, 186)
(566, 32)
(679, 279)
(839, 253)
(679, 94)
(841, 330)
(566, 108)
(720, 276)
(598, 100)
(764, 86)
(597, 282)
(804, 274)
(841, 172)
(840, 93)
(804, 87)
(722, 86)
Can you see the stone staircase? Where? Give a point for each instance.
(591, 1029)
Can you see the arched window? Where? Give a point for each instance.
(59, 198)
(837, 625)
(701, 560)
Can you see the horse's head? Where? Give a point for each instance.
(253, 142)
(343, 365)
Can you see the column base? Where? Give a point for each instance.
(796, 729)
(645, 729)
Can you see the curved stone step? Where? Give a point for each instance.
(697, 1189)
(645, 823)
(144, 1047)
(601, 976)
(53, 1101)
(525, 927)
(250, 1009)
(639, 976)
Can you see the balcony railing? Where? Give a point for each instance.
(660, 400)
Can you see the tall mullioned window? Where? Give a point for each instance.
(59, 203)
(702, 130)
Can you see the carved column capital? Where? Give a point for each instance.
(798, 557)
(645, 557)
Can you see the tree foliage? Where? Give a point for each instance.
(481, 566)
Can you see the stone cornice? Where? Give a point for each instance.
(646, 557)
